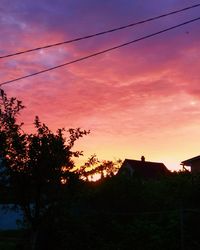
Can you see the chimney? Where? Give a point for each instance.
(143, 159)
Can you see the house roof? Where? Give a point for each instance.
(144, 169)
(188, 162)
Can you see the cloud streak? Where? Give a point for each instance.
(142, 99)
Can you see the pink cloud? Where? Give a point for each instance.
(144, 97)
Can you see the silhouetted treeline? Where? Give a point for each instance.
(61, 211)
(121, 213)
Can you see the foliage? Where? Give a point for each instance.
(10, 239)
(94, 166)
(121, 213)
(114, 213)
(34, 165)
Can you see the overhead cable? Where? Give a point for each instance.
(101, 33)
(100, 52)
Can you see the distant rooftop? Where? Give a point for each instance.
(146, 169)
(188, 162)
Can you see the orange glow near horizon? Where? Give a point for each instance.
(143, 99)
(94, 177)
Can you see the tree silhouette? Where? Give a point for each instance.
(34, 165)
(94, 166)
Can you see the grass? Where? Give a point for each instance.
(9, 239)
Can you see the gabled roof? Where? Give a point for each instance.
(190, 161)
(144, 169)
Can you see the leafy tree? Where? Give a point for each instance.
(94, 166)
(36, 165)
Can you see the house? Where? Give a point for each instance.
(143, 169)
(193, 163)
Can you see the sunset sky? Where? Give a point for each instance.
(143, 99)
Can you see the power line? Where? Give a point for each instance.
(101, 33)
(99, 53)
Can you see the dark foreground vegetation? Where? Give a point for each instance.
(61, 211)
(121, 213)
(10, 239)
